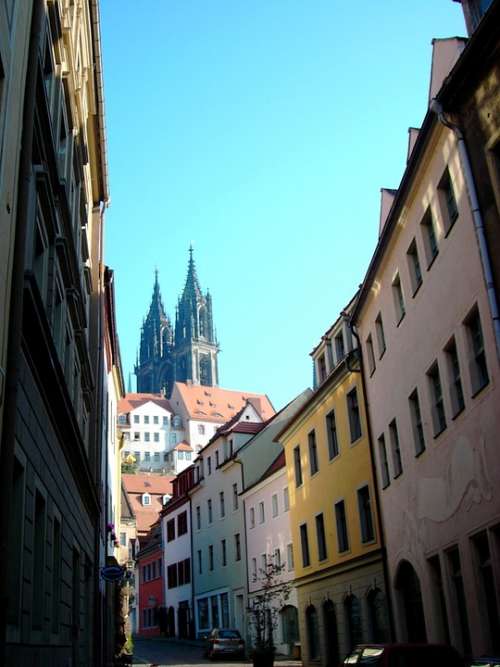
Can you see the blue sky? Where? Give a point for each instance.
(262, 131)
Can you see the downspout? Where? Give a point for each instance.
(14, 340)
(375, 484)
(437, 108)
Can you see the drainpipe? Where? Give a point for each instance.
(7, 445)
(437, 108)
(390, 609)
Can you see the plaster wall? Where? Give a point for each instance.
(450, 491)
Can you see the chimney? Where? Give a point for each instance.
(386, 199)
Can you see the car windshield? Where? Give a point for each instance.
(229, 634)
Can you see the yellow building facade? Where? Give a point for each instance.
(336, 532)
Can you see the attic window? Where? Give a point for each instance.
(247, 417)
(199, 402)
(146, 499)
(231, 407)
(217, 414)
(147, 483)
(166, 498)
(212, 405)
(207, 393)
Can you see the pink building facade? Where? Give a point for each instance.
(432, 372)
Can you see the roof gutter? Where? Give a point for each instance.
(99, 81)
(477, 217)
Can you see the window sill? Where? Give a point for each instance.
(416, 289)
(334, 458)
(477, 391)
(438, 433)
(372, 371)
(314, 474)
(419, 453)
(457, 413)
(432, 260)
(398, 475)
(382, 353)
(401, 318)
(354, 442)
(369, 543)
(451, 225)
(386, 486)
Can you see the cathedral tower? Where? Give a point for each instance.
(188, 353)
(196, 348)
(154, 368)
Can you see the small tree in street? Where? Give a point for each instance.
(264, 608)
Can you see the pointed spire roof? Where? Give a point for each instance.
(192, 286)
(156, 309)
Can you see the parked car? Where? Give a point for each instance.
(405, 655)
(485, 661)
(224, 641)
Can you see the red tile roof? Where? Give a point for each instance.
(184, 446)
(215, 404)
(157, 486)
(133, 401)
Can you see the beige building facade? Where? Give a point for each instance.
(432, 371)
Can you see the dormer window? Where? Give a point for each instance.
(146, 499)
(166, 498)
(321, 368)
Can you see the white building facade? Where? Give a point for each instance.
(269, 541)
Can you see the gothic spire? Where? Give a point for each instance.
(192, 286)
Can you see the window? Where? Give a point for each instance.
(321, 368)
(354, 418)
(15, 544)
(458, 593)
(289, 557)
(200, 562)
(182, 527)
(217, 459)
(437, 403)
(39, 539)
(339, 346)
(223, 552)
(156, 437)
(147, 457)
(209, 507)
(397, 295)
(298, 467)
(414, 267)
(170, 530)
(172, 575)
(146, 419)
(477, 365)
(455, 382)
(365, 515)
(201, 429)
(448, 202)
(331, 432)
(263, 563)
(252, 517)
(180, 455)
(340, 518)
(370, 354)
(237, 547)
(254, 569)
(396, 452)
(416, 423)
(313, 453)
(136, 419)
(56, 572)
(484, 564)
(198, 517)
(320, 536)
(277, 558)
(210, 557)
(137, 436)
(155, 419)
(209, 465)
(123, 539)
(312, 629)
(305, 545)
(274, 503)
(429, 236)
(146, 436)
(286, 499)
(379, 330)
(165, 421)
(262, 513)
(384, 465)
(146, 499)
(221, 505)
(235, 496)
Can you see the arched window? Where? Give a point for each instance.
(146, 499)
(379, 620)
(202, 320)
(330, 633)
(312, 632)
(408, 587)
(289, 624)
(352, 608)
